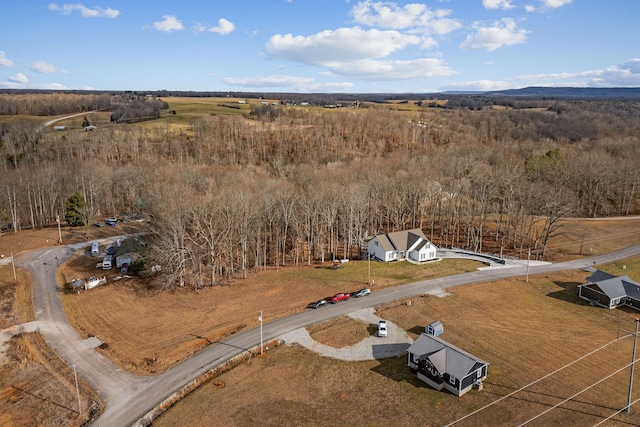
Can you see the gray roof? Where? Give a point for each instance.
(401, 240)
(386, 244)
(614, 286)
(441, 354)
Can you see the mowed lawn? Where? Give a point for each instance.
(524, 330)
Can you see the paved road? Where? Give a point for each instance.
(128, 397)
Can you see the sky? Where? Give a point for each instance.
(319, 46)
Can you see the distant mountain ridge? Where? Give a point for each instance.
(570, 92)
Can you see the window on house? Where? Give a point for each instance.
(375, 243)
(452, 380)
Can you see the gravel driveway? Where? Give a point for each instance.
(374, 347)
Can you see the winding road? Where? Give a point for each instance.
(128, 397)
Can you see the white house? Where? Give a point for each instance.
(400, 245)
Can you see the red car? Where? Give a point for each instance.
(338, 297)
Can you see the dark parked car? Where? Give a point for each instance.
(112, 222)
(98, 224)
(111, 250)
(318, 304)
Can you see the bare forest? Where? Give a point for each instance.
(232, 194)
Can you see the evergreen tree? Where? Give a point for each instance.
(77, 213)
(85, 122)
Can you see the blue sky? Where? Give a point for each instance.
(319, 45)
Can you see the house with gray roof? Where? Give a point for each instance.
(609, 291)
(399, 245)
(445, 366)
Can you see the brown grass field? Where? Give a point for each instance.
(524, 330)
(512, 325)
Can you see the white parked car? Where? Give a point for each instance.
(382, 328)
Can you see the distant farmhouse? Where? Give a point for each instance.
(400, 245)
(444, 366)
(609, 291)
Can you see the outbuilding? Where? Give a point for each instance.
(435, 328)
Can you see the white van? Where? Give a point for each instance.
(95, 249)
(106, 262)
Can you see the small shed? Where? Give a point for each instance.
(435, 328)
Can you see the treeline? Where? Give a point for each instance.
(51, 104)
(235, 194)
(138, 109)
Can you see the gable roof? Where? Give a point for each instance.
(444, 356)
(614, 286)
(402, 240)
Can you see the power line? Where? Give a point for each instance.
(577, 394)
(615, 413)
(536, 381)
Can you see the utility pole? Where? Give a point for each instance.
(369, 279)
(13, 265)
(528, 259)
(59, 231)
(633, 362)
(260, 320)
(77, 389)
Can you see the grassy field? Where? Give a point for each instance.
(524, 330)
(140, 325)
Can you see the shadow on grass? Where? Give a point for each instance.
(569, 293)
(416, 330)
(396, 369)
(372, 329)
(545, 397)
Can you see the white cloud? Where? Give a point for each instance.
(370, 69)
(479, 85)
(530, 8)
(168, 24)
(415, 17)
(85, 12)
(357, 53)
(224, 27)
(45, 68)
(4, 61)
(502, 33)
(19, 78)
(296, 83)
(268, 81)
(553, 4)
(497, 4)
(46, 86)
(626, 74)
(341, 45)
